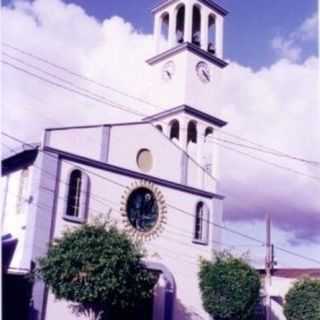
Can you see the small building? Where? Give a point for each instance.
(158, 178)
(280, 283)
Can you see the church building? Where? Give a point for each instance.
(158, 178)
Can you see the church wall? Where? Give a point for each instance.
(173, 247)
(204, 102)
(15, 211)
(86, 142)
(124, 147)
(170, 93)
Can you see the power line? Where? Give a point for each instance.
(102, 99)
(188, 213)
(24, 52)
(274, 153)
(315, 178)
(110, 104)
(128, 110)
(71, 72)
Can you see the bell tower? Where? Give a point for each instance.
(188, 60)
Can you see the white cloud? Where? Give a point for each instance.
(275, 106)
(309, 28)
(290, 47)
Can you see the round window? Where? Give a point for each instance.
(144, 160)
(142, 209)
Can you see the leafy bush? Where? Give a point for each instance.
(97, 268)
(229, 287)
(303, 301)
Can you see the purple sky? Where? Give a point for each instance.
(248, 26)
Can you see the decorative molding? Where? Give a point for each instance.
(188, 110)
(162, 211)
(209, 3)
(189, 47)
(119, 124)
(133, 174)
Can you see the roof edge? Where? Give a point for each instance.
(209, 3)
(190, 47)
(189, 110)
(132, 174)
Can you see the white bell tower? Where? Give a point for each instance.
(188, 59)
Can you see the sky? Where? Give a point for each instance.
(272, 74)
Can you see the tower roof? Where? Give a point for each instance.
(188, 110)
(209, 3)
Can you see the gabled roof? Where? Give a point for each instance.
(188, 110)
(293, 273)
(189, 47)
(21, 159)
(209, 3)
(132, 174)
(118, 124)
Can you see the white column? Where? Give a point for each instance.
(188, 22)
(172, 28)
(219, 37)
(200, 151)
(157, 32)
(184, 146)
(204, 28)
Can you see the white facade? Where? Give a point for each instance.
(281, 281)
(178, 166)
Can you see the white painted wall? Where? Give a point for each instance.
(85, 142)
(14, 216)
(126, 141)
(279, 287)
(174, 247)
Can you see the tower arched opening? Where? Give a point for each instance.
(212, 34)
(174, 130)
(196, 25)
(165, 20)
(192, 132)
(180, 23)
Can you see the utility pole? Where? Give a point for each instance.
(268, 266)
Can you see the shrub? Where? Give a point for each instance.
(229, 287)
(97, 268)
(303, 301)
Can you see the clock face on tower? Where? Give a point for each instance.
(168, 71)
(203, 72)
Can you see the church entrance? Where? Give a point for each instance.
(144, 311)
(160, 305)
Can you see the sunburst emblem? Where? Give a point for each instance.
(144, 210)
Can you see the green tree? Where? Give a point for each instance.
(98, 268)
(229, 287)
(303, 301)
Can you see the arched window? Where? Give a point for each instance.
(208, 133)
(196, 26)
(77, 196)
(212, 34)
(201, 224)
(174, 130)
(159, 127)
(165, 18)
(192, 132)
(180, 24)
